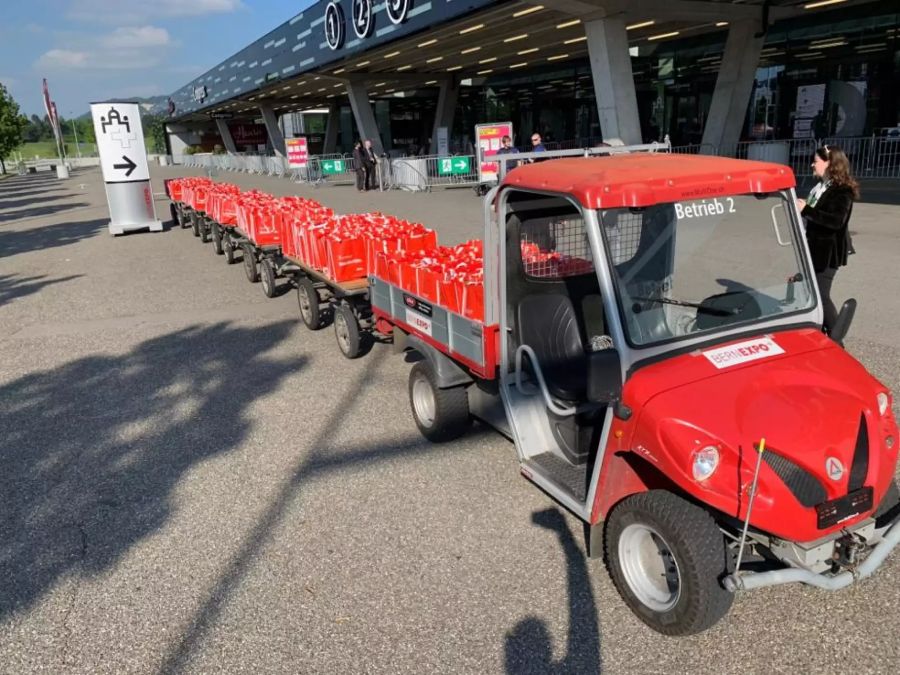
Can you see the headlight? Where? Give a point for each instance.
(706, 460)
(883, 401)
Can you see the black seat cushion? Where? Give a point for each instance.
(549, 325)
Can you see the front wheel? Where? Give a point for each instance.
(204, 231)
(440, 414)
(216, 238)
(308, 300)
(267, 276)
(347, 332)
(228, 249)
(667, 557)
(195, 223)
(250, 268)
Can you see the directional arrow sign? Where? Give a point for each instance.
(453, 166)
(332, 166)
(128, 166)
(120, 138)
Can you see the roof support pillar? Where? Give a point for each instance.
(225, 134)
(364, 115)
(332, 125)
(446, 107)
(607, 42)
(728, 107)
(276, 138)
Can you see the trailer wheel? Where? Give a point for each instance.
(195, 223)
(267, 276)
(204, 231)
(667, 557)
(183, 220)
(216, 238)
(889, 508)
(440, 414)
(250, 263)
(346, 330)
(308, 300)
(228, 248)
(173, 212)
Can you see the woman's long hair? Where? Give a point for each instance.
(838, 171)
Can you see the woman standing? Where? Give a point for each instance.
(826, 213)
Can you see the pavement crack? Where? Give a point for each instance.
(67, 659)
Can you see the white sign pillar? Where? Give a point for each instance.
(123, 160)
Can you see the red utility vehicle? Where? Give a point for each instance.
(652, 344)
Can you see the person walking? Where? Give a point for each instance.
(359, 162)
(370, 164)
(826, 214)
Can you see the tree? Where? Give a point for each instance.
(155, 132)
(12, 124)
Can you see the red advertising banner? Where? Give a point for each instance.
(297, 152)
(487, 140)
(248, 134)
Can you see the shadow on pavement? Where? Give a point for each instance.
(14, 286)
(528, 647)
(27, 201)
(322, 460)
(39, 211)
(13, 242)
(91, 451)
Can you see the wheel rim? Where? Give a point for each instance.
(342, 331)
(650, 568)
(423, 401)
(305, 304)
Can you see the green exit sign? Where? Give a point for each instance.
(332, 166)
(453, 166)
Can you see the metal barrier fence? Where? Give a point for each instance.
(424, 172)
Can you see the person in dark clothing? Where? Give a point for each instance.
(359, 161)
(507, 148)
(826, 213)
(370, 164)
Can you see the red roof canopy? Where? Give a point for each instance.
(644, 179)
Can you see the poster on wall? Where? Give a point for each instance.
(810, 105)
(487, 142)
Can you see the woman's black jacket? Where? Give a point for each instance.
(826, 227)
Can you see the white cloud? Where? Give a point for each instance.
(121, 12)
(57, 59)
(136, 38)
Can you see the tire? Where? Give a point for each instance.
(889, 508)
(347, 333)
(216, 232)
(204, 231)
(440, 414)
(308, 301)
(195, 223)
(228, 249)
(173, 213)
(658, 535)
(250, 267)
(267, 276)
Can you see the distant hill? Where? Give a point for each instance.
(155, 105)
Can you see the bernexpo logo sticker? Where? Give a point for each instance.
(742, 352)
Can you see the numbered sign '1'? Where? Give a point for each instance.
(123, 160)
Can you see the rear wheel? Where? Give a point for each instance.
(250, 268)
(173, 212)
(195, 223)
(308, 300)
(667, 557)
(440, 414)
(347, 332)
(204, 230)
(216, 238)
(228, 248)
(267, 276)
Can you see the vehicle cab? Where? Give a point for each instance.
(664, 376)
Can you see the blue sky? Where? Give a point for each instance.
(91, 50)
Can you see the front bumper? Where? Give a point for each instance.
(890, 538)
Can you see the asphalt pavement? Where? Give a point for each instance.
(191, 481)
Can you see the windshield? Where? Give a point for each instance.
(704, 265)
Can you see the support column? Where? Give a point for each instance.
(332, 125)
(607, 42)
(364, 115)
(728, 108)
(276, 138)
(225, 134)
(446, 107)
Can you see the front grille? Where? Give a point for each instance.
(802, 484)
(860, 468)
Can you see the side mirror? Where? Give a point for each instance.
(604, 376)
(842, 325)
